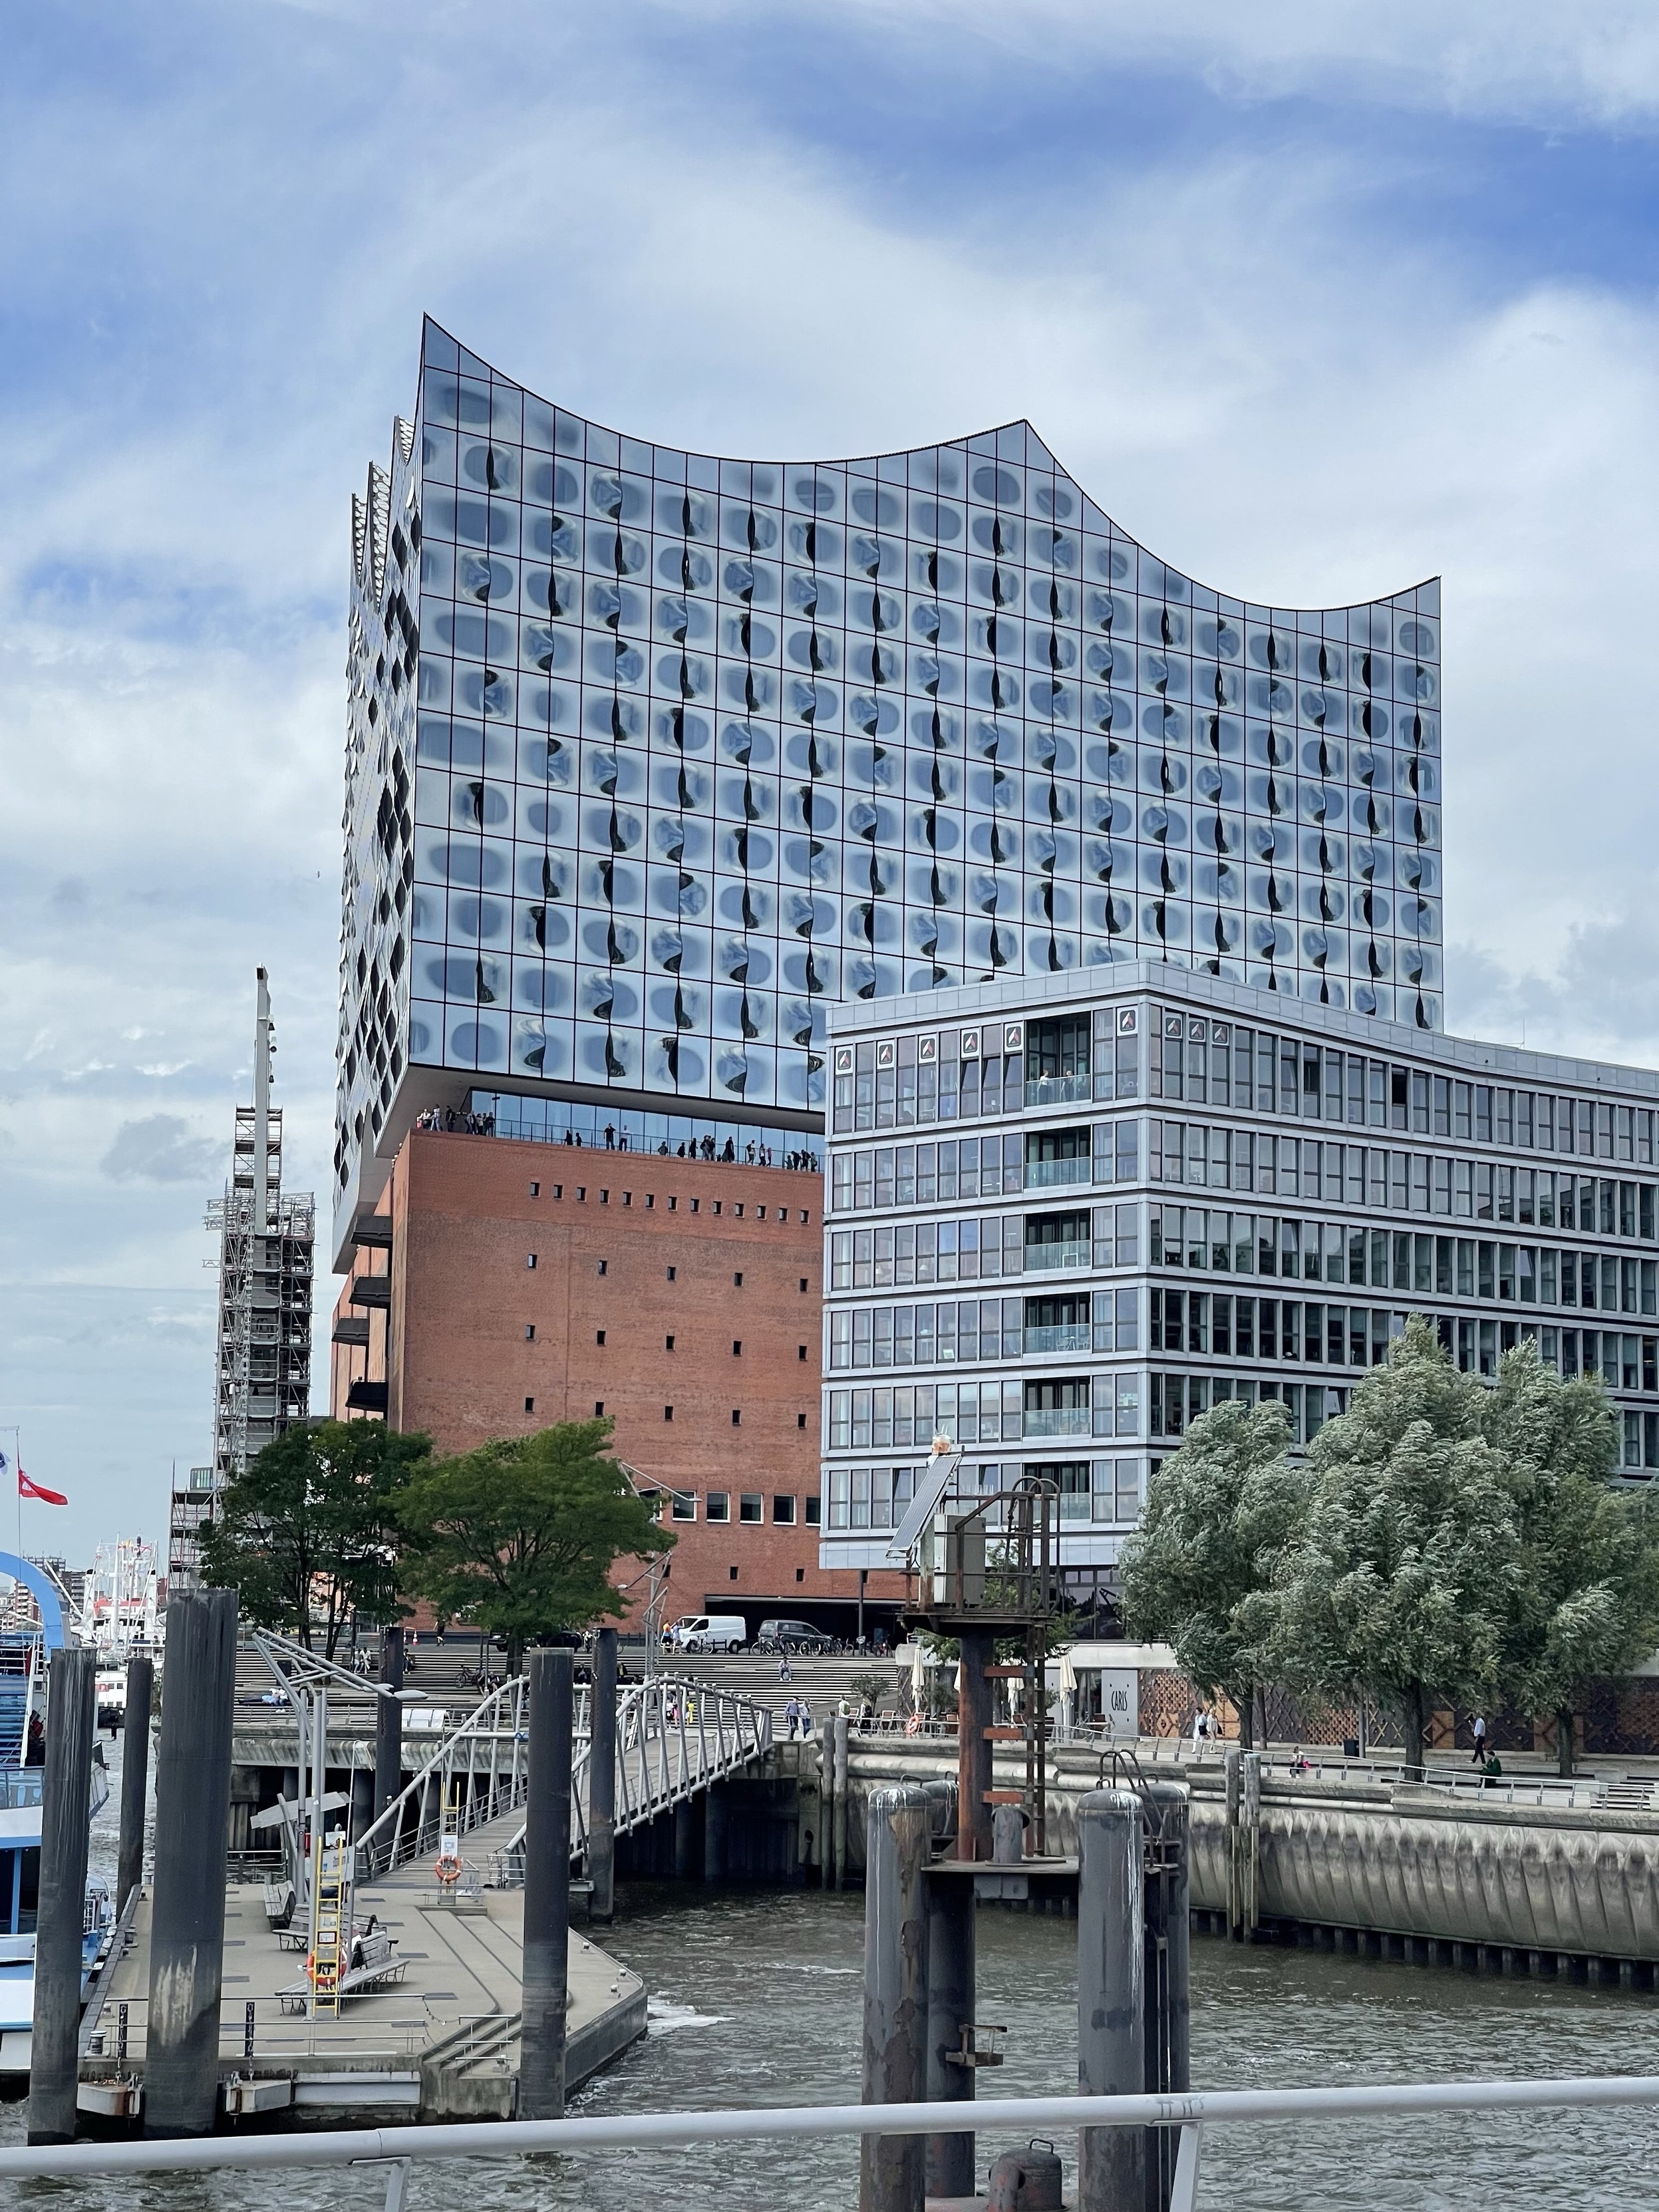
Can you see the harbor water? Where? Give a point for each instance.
(757, 2002)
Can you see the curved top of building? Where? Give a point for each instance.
(653, 755)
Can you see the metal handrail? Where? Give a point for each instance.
(396, 2147)
(653, 1719)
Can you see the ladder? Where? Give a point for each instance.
(333, 1905)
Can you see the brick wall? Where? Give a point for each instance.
(658, 1284)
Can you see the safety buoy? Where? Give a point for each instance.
(447, 1866)
(913, 1726)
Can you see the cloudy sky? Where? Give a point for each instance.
(1316, 300)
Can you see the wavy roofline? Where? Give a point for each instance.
(966, 443)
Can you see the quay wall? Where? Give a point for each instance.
(1394, 1861)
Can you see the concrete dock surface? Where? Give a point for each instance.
(439, 2043)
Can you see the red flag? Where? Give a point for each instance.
(27, 1488)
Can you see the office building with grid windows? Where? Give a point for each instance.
(653, 757)
(1067, 1216)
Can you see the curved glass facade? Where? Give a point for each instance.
(653, 756)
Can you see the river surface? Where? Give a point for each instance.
(755, 2001)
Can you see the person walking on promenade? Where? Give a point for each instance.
(806, 1720)
(1480, 1757)
(792, 1718)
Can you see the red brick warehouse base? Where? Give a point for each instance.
(525, 1284)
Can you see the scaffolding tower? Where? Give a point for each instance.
(262, 1382)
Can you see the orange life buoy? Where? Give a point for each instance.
(447, 1866)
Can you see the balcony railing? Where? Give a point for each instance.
(1057, 1421)
(1058, 1089)
(1059, 1336)
(1074, 1252)
(1043, 1174)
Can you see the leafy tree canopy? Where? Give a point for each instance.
(1406, 1576)
(520, 1535)
(1199, 1572)
(1586, 1594)
(310, 1532)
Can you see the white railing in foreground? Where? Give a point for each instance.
(398, 2148)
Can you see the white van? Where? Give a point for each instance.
(708, 1631)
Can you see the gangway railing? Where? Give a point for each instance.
(396, 2149)
(675, 1735)
(479, 1772)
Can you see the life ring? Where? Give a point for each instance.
(913, 1726)
(447, 1866)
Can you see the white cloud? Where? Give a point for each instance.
(694, 223)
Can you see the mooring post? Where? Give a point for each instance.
(1252, 1817)
(949, 2159)
(713, 1833)
(1111, 2007)
(602, 1779)
(974, 1831)
(389, 1723)
(546, 1889)
(1235, 1907)
(1168, 1952)
(839, 1724)
(892, 2168)
(54, 2057)
(187, 1906)
(827, 1805)
(135, 1777)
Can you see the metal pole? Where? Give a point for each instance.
(1111, 2055)
(187, 1912)
(826, 1803)
(950, 2010)
(546, 1890)
(1169, 1943)
(839, 1725)
(389, 1724)
(135, 1777)
(974, 1833)
(891, 2169)
(602, 1777)
(54, 2057)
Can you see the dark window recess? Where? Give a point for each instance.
(530, 1405)
(814, 1512)
(801, 1574)
(535, 1190)
(737, 1417)
(604, 1267)
(670, 1274)
(598, 1336)
(803, 1282)
(668, 1413)
(737, 1348)
(598, 1409)
(751, 1506)
(800, 1420)
(737, 1280)
(1057, 1048)
(529, 1260)
(800, 1351)
(733, 1573)
(668, 1344)
(529, 1331)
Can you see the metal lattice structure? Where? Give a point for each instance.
(262, 1373)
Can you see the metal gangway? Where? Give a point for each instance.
(674, 1738)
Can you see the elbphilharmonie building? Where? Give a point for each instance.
(653, 756)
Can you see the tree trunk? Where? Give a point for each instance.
(1245, 1704)
(1565, 1746)
(1417, 1728)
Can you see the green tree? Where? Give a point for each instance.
(1198, 1571)
(311, 1530)
(520, 1535)
(1587, 1596)
(1404, 1578)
